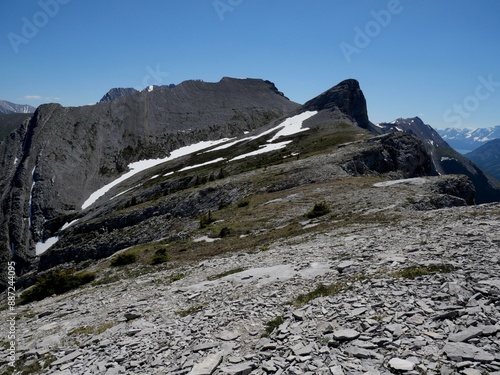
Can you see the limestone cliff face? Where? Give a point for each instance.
(54, 162)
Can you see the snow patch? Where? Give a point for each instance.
(411, 181)
(293, 125)
(31, 194)
(42, 247)
(123, 192)
(202, 164)
(143, 165)
(205, 238)
(445, 158)
(67, 225)
(263, 149)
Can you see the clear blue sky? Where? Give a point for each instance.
(427, 58)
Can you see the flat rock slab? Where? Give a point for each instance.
(459, 351)
(205, 346)
(465, 335)
(208, 365)
(67, 358)
(401, 364)
(244, 368)
(227, 335)
(345, 334)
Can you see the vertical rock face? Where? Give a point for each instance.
(54, 162)
(346, 97)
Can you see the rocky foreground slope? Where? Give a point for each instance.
(389, 289)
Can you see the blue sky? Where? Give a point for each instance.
(437, 59)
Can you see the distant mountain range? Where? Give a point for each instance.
(488, 157)
(467, 140)
(9, 107)
(445, 159)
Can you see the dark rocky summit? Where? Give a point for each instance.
(345, 97)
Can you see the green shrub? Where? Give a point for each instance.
(321, 290)
(227, 273)
(243, 203)
(159, 257)
(123, 259)
(224, 232)
(319, 209)
(273, 324)
(56, 282)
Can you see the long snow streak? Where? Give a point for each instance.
(31, 194)
(142, 165)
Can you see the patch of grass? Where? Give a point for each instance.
(227, 273)
(273, 324)
(56, 282)
(92, 330)
(321, 290)
(123, 259)
(106, 280)
(160, 257)
(417, 271)
(190, 311)
(319, 209)
(176, 277)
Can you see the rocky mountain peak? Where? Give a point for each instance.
(116, 93)
(346, 97)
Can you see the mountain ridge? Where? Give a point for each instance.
(7, 107)
(467, 139)
(487, 157)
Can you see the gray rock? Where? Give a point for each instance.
(345, 334)
(399, 364)
(465, 335)
(463, 351)
(208, 365)
(67, 358)
(244, 368)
